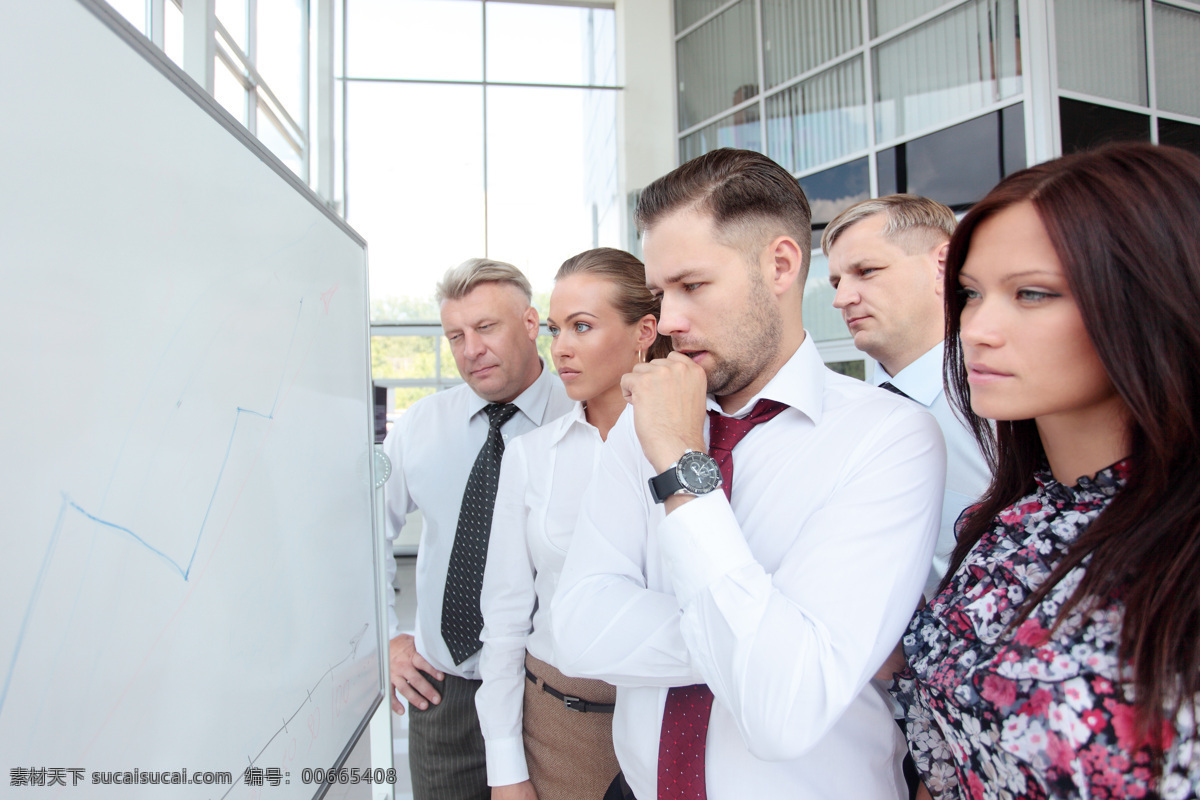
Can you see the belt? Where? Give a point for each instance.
(572, 703)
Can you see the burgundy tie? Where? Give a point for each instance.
(685, 719)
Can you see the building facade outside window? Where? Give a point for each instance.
(863, 98)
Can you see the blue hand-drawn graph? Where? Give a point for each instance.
(187, 574)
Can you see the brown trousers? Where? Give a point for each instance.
(569, 753)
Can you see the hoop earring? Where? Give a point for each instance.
(641, 357)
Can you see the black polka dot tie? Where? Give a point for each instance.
(461, 618)
(684, 734)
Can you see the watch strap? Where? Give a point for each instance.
(665, 484)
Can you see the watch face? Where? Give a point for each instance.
(698, 472)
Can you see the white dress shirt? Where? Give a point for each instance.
(967, 473)
(542, 480)
(784, 602)
(432, 449)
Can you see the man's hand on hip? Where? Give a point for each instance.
(404, 665)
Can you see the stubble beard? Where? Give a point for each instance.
(754, 339)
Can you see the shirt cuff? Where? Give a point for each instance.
(702, 543)
(506, 761)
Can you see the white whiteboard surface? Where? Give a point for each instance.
(188, 574)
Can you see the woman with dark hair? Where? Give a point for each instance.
(1061, 656)
(549, 736)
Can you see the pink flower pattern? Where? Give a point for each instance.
(1043, 712)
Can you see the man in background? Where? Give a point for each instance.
(445, 454)
(887, 261)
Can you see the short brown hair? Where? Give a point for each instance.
(749, 197)
(914, 223)
(632, 298)
(458, 281)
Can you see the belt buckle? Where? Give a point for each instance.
(574, 703)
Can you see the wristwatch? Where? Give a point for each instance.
(694, 473)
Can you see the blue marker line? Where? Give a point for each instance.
(184, 572)
(33, 598)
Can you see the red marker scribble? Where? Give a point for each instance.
(327, 296)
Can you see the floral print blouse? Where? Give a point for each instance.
(1031, 714)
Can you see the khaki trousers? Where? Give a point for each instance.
(569, 753)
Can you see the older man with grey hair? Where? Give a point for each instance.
(445, 453)
(886, 262)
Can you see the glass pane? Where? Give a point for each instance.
(801, 34)
(1102, 48)
(832, 191)
(821, 119)
(282, 40)
(173, 31)
(688, 12)
(1179, 134)
(574, 45)
(415, 182)
(392, 308)
(958, 62)
(890, 168)
(430, 39)
(716, 65)
(887, 15)
(1085, 125)
(269, 134)
(404, 357)
(854, 369)
(554, 194)
(1012, 139)
(132, 10)
(230, 92)
(740, 130)
(449, 368)
(339, 113)
(232, 14)
(821, 319)
(956, 166)
(1177, 59)
(402, 399)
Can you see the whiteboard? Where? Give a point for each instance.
(188, 575)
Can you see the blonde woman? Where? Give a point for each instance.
(549, 736)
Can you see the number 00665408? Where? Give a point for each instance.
(348, 775)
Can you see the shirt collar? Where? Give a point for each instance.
(532, 402)
(921, 380)
(576, 416)
(800, 383)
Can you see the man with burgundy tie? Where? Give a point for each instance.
(760, 527)
(887, 260)
(445, 454)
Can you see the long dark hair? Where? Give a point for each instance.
(1123, 220)
(632, 298)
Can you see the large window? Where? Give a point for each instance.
(1127, 69)
(463, 139)
(255, 62)
(862, 98)
(857, 98)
